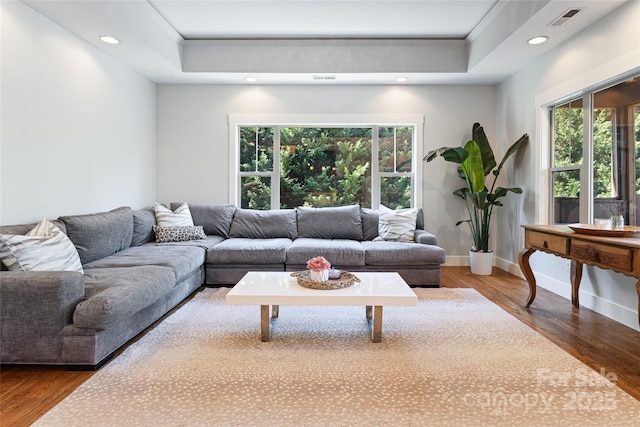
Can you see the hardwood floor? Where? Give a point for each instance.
(596, 340)
(27, 392)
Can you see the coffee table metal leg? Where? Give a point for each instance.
(374, 319)
(264, 323)
(377, 324)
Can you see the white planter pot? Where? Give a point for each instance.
(481, 263)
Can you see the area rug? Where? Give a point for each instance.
(454, 359)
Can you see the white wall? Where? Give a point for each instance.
(606, 49)
(193, 147)
(78, 128)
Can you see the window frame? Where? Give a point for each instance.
(565, 168)
(277, 121)
(586, 168)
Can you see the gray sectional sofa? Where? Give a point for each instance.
(130, 281)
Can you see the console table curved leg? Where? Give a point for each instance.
(523, 260)
(638, 291)
(576, 277)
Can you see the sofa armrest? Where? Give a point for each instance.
(425, 238)
(38, 301)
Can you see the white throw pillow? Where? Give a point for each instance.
(166, 218)
(397, 226)
(45, 248)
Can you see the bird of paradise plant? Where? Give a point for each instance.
(475, 162)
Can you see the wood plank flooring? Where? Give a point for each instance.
(27, 392)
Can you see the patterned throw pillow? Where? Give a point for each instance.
(166, 218)
(178, 233)
(397, 226)
(45, 248)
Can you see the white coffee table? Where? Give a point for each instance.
(272, 289)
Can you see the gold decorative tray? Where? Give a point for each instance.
(346, 279)
(605, 230)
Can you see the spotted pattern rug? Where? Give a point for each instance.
(454, 359)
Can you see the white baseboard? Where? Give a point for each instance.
(456, 261)
(502, 264)
(607, 308)
(508, 266)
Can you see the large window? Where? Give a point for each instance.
(282, 166)
(595, 165)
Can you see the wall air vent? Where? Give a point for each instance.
(562, 19)
(324, 77)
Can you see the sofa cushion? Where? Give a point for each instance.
(143, 222)
(25, 228)
(420, 220)
(115, 294)
(369, 223)
(397, 225)
(178, 233)
(182, 259)
(101, 234)
(43, 248)
(215, 219)
(166, 217)
(401, 253)
(249, 251)
(256, 224)
(342, 222)
(338, 252)
(208, 243)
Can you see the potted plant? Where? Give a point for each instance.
(476, 161)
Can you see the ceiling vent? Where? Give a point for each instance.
(324, 77)
(562, 19)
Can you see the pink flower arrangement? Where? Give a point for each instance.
(318, 264)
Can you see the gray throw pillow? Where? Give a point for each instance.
(271, 224)
(99, 235)
(342, 222)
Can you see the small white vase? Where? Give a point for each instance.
(319, 276)
(481, 263)
(617, 221)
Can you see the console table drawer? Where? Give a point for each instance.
(603, 255)
(548, 242)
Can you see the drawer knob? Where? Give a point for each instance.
(545, 245)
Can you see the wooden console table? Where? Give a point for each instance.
(620, 254)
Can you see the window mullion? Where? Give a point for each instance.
(566, 168)
(275, 173)
(375, 173)
(267, 174)
(586, 172)
(395, 149)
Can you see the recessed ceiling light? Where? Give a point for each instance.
(251, 79)
(538, 40)
(109, 39)
(401, 79)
